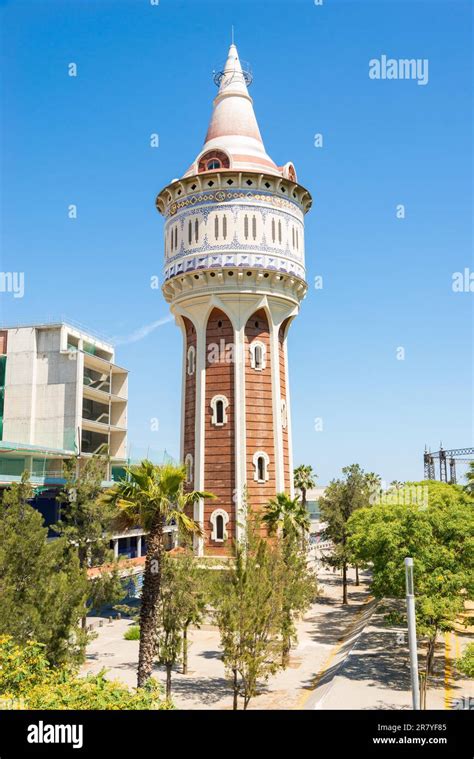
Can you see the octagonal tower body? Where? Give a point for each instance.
(234, 277)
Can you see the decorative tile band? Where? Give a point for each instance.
(239, 260)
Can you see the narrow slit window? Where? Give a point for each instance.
(246, 227)
(220, 412)
(273, 230)
(261, 468)
(224, 227)
(279, 230)
(219, 527)
(216, 227)
(190, 232)
(196, 231)
(254, 227)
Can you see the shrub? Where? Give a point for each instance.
(133, 633)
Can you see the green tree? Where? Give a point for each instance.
(288, 516)
(85, 523)
(465, 664)
(248, 607)
(42, 587)
(151, 498)
(470, 478)
(170, 620)
(437, 531)
(341, 498)
(288, 519)
(304, 479)
(191, 586)
(28, 681)
(298, 590)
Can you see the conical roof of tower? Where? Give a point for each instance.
(233, 128)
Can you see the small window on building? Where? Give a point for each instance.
(246, 227)
(224, 227)
(176, 237)
(196, 231)
(279, 230)
(261, 463)
(219, 527)
(219, 520)
(213, 164)
(254, 227)
(188, 464)
(219, 405)
(190, 232)
(273, 230)
(216, 227)
(191, 360)
(257, 355)
(284, 414)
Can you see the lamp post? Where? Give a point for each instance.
(410, 597)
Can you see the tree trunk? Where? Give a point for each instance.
(168, 681)
(357, 575)
(430, 655)
(149, 606)
(185, 650)
(344, 583)
(235, 704)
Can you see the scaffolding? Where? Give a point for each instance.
(445, 458)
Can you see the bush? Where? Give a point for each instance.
(27, 680)
(133, 633)
(465, 665)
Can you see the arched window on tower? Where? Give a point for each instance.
(219, 519)
(261, 462)
(191, 360)
(284, 414)
(188, 465)
(214, 163)
(219, 527)
(257, 355)
(219, 404)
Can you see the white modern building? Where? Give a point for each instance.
(62, 394)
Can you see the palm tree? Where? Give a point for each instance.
(151, 497)
(396, 484)
(470, 479)
(304, 479)
(286, 515)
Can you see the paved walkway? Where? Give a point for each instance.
(346, 658)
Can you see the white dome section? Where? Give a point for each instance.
(233, 139)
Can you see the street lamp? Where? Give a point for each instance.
(410, 596)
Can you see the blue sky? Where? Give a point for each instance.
(387, 282)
